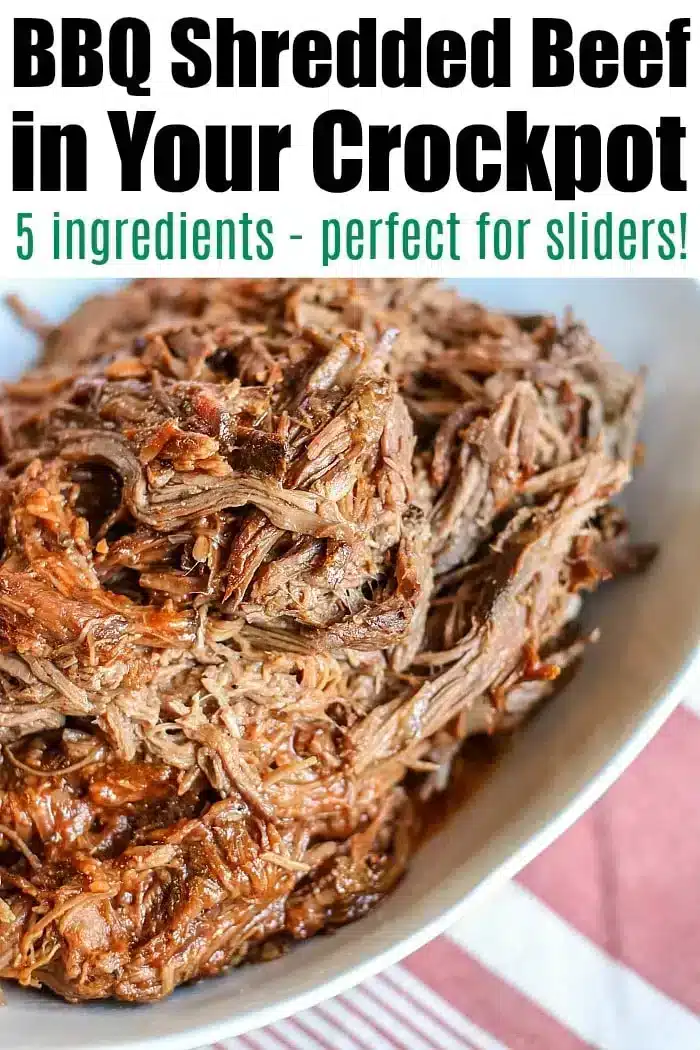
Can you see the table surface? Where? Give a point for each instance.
(595, 944)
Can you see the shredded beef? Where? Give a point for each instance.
(272, 550)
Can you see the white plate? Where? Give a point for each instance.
(559, 764)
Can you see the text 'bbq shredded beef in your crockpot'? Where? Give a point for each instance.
(271, 551)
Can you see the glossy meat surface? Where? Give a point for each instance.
(272, 550)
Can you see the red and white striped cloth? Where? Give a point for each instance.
(595, 944)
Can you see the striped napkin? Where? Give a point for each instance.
(595, 944)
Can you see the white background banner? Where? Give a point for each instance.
(305, 229)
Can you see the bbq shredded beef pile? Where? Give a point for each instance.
(271, 551)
